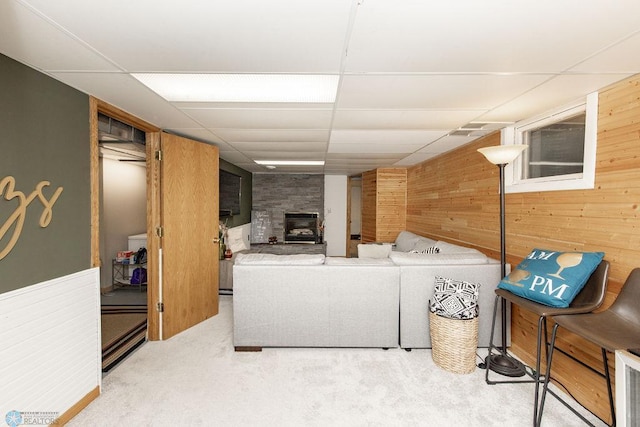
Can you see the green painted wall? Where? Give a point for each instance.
(44, 136)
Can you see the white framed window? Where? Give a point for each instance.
(561, 153)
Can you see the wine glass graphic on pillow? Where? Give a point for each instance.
(567, 260)
(517, 275)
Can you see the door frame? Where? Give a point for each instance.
(98, 106)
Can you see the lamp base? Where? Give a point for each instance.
(505, 365)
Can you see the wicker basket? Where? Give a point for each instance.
(454, 343)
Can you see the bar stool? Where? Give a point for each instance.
(588, 299)
(616, 328)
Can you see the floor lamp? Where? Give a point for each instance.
(501, 156)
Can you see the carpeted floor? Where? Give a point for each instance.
(196, 379)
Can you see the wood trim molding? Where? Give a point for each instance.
(79, 406)
(153, 240)
(94, 182)
(123, 116)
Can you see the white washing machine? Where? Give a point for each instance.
(137, 241)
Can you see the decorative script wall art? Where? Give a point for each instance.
(16, 219)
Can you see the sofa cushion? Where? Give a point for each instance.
(550, 277)
(407, 240)
(374, 250)
(357, 261)
(235, 240)
(455, 299)
(402, 258)
(273, 259)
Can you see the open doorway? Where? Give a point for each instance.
(354, 215)
(119, 221)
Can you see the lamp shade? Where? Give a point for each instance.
(502, 154)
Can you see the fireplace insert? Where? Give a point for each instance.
(301, 227)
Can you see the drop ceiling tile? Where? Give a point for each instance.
(615, 59)
(415, 158)
(372, 148)
(126, 93)
(272, 135)
(235, 157)
(368, 157)
(403, 119)
(364, 162)
(215, 35)
(198, 134)
(54, 50)
(280, 146)
(553, 94)
(419, 36)
(447, 143)
(284, 155)
(261, 118)
(367, 137)
(464, 92)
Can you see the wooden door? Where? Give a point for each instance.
(184, 203)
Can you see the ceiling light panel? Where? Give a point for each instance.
(320, 88)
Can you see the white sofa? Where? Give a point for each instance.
(317, 301)
(301, 301)
(417, 278)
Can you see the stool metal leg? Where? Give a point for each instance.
(542, 324)
(547, 377)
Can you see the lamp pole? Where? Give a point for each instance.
(502, 363)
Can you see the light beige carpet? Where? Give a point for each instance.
(196, 379)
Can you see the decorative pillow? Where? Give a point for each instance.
(455, 299)
(550, 277)
(235, 241)
(374, 250)
(429, 250)
(407, 240)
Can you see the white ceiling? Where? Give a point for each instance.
(411, 71)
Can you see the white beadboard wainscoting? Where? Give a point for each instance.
(50, 344)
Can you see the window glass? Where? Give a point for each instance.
(561, 153)
(555, 149)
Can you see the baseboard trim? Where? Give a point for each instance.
(79, 406)
(248, 348)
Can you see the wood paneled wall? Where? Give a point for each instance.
(454, 197)
(384, 204)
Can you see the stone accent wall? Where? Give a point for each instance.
(280, 193)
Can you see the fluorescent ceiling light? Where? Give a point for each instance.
(291, 162)
(242, 87)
